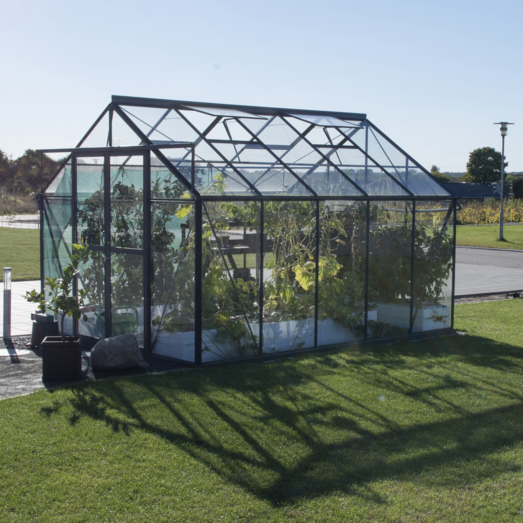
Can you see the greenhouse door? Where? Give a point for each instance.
(112, 217)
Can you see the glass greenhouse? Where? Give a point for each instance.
(221, 232)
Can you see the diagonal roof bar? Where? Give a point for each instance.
(219, 152)
(159, 154)
(280, 161)
(326, 158)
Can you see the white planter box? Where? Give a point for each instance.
(288, 335)
(431, 317)
(179, 345)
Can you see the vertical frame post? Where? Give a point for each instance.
(147, 254)
(74, 227)
(110, 134)
(317, 273)
(260, 272)
(366, 154)
(198, 269)
(367, 249)
(193, 168)
(42, 246)
(411, 317)
(107, 243)
(455, 203)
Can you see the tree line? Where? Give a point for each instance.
(26, 175)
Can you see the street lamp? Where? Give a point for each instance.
(503, 130)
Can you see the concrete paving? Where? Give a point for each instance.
(510, 259)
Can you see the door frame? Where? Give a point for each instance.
(106, 246)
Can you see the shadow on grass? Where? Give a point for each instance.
(313, 426)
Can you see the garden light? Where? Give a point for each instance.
(7, 303)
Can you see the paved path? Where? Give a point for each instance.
(20, 309)
(480, 271)
(20, 221)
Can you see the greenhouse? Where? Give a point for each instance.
(222, 232)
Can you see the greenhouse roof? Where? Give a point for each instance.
(261, 152)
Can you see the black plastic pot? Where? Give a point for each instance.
(61, 361)
(41, 330)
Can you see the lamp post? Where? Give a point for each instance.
(7, 303)
(503, 130)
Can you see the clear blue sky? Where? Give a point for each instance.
(434, 76)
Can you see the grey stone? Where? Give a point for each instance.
(119, 352)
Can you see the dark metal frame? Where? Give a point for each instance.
(147, 146)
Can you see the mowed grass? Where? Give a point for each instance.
(20, 250)
(488, 236)
(424, 431)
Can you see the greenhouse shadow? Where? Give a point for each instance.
(290, 429)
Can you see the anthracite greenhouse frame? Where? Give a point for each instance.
(225, 232)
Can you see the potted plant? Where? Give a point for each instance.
(61, 355)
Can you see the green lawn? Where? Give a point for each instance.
(20, 250)
(426, 431)
(487, 236)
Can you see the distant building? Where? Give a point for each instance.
(473, 191)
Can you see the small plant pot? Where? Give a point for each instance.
(40, 330)
(61, 361)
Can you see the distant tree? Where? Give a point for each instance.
(484, 166)
(5, 168)
(434, 170)
(29, 172)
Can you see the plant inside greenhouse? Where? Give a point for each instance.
(219, 232)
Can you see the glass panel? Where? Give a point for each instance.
(230, 294)
(301, 153)
(127, 293)
(342, 272)
(61, 184)
(218, 179)
(99, 136)
(390, 245)
(274, 181)
(172, 245)
(396, 163)
(372, 179)
(433, 250)
(57, 232)
(215, 111)
(123, 135)
(277, 132)
(147, 119)
(91, 278)
(164, 184)
(199, 120)
(236, 130)
(90, 191)
(420, 183)
(173, 128)
(325, 121)
(288, 276)
(127, 202)
(327, 181)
